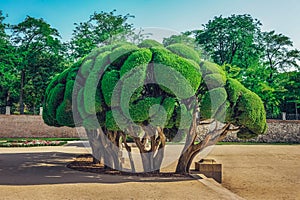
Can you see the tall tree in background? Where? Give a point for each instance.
(8, 77)
(102, 28)
(33, 39)
(231, 40)
(279, 55)
(291, 96)
(237, 43)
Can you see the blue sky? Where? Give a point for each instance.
(179, 15)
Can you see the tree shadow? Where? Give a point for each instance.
(50, 168)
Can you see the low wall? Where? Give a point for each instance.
(33, 126)
(279, 131)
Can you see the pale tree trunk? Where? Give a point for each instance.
(161, 150)
(152, 158)
(110, 150)
(96, 145)
(128, 149)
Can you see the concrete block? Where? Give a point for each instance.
(210, 168)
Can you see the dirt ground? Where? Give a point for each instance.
(250, 171)
(260, 171)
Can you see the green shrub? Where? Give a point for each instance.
(211, 102)
(111, 118)
(175, 72)
(69, 90)
(74, 70)
(234, 90)
(128, 72)
(148, 43)
(138, 58)
(119, 55)
(139, 112)
(163, 116)
(252, 114)
(210, 68)
(101, 62)
(55, 98)
(64, 114)
(215, 80)
(91, 95)
(108, 83)
(86, 68)
(132, 86)
(184, 51)
(51, 85)
(62, 78)
(183, 118)
(80, 104)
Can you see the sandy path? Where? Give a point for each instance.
(40, 173)
(260, 171)
(250, 171)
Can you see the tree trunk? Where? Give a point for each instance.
(161, 150)
(96, 145)
(183, 162)
(184, 159)
(187, 157)
(296, 107)
(111, 151)
(128, 149)
(107, 157)
(21, 100)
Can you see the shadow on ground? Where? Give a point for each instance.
(50, 168)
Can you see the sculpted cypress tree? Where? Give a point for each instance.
(144, 91)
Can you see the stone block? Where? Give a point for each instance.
(210, 168)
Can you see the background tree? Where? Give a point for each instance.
(8, 75)
(291, 96)
(231, 40)
(253, 57)
(101, 28)
(122, 90)
(278, 55)
(34, 40)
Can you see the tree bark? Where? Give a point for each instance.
(96, 145)
(161, 150)
(187, 150)
(187, 157)
(21, 100)
(128, 149)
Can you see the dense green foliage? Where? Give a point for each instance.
(184, 51)
(255, 58)
(31, 53)
(119, 89)
(101, 28)
(149, 43)
(143, 93)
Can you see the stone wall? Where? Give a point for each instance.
(279, 131)
(33, 126)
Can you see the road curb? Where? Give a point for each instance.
(216, 187)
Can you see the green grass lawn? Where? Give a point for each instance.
(254, 143)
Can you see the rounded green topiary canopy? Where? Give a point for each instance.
(124, 84)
